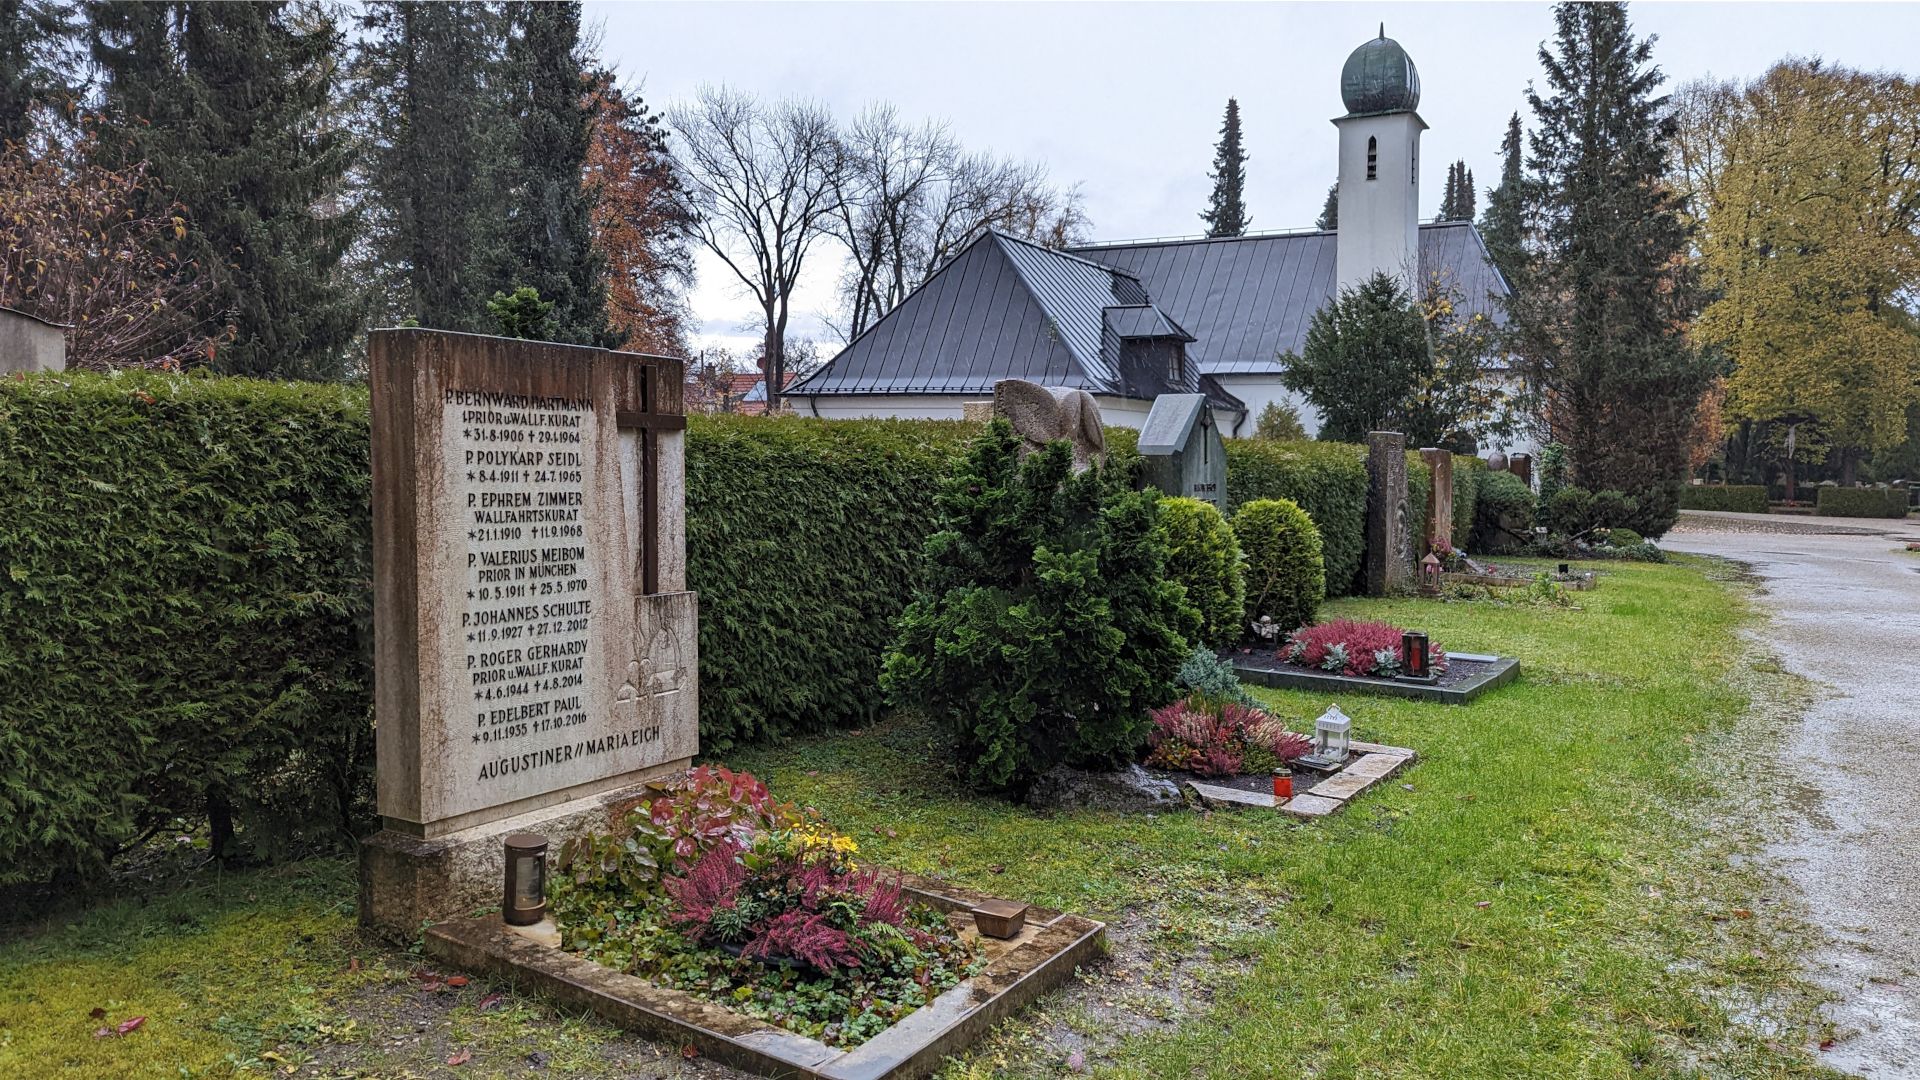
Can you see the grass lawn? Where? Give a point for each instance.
(1556, 889)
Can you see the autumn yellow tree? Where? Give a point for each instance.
(1804, 187)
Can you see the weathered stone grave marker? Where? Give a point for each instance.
(535, 648)
(1389, 567)
(1183, 452)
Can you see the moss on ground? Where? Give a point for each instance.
(1537, 897)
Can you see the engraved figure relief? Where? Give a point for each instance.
(666, 658)
(626, 703)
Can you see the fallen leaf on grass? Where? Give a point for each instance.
(1076, 1062)
(130, 1025)
(1742, 913)
(997, 868)
(460, 1058)
(489, 1002)
(97, 1013)
(1483, 903)
(353, 965)
(1826, 1044)
(689, 1051)
(457, 981)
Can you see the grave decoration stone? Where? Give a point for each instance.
(1182, 449)
(1439, 523)
(535, 646)
(1389, 565)
(1042, 414)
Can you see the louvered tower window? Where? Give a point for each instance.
(1373, 157)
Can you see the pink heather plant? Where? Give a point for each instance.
(1363, 644)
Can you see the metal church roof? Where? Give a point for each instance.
(1248, 299)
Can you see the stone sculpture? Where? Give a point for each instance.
(1041, 414)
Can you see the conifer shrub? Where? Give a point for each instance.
(1045, 626)
(1286, 575)
(1203, 555)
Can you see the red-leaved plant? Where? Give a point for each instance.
(1217, 738)
(1356, 648)
(714, 804)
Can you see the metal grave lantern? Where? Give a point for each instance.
(526, 893)
(1430, 575)
(1332, 735)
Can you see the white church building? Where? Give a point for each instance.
(1129, 321)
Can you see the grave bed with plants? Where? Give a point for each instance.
(1225, 751)
(1364, 657)
(717, 918)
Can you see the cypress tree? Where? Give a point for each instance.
(550, 218)
(1330, 210)
(1456, 202)
(440, 152)
(1226, 213)
(229, 104)
(1605, 288)
(1502, 226)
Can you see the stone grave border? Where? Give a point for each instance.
(1043, 956)
(1371, 764)
(1504, 670)
(1583, 581)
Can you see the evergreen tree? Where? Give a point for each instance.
(1330, 210)
(1605, 291)
(1226, 213)
(1502, 227)
(36, 48)
(439, 160)
(1456, 202)
(550, 218)
(229, 105)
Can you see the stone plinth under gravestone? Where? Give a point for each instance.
(535, 648)
(1389, 566)
(1439, 522)
(1181, 449)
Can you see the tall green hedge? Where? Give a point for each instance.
(1744, 498)
(185, 593)
(803, 539)
(1861, 502)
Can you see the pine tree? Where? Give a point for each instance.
(1606, 291)
(229, 104)
(36, 47)
(440, 152)
(1502, 226)
(1330, 210)
(1226, 213)
(550, 222)
(1449, 192)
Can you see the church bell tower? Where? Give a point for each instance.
(1379, 228)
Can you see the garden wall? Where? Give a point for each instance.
(1741, 498)
(185, 592)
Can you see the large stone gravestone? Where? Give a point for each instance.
(1389, 566)
(1439, 498)
(1182, 450)
(535, 648)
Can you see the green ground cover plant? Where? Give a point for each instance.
(1536, 897)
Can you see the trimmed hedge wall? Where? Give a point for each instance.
(185, 593)
(1741, 498)
(185, 613)
(803, 538)
(1861, 502)
(1469, 473)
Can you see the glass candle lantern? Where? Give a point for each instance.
(526, 892)
(1414, 655)
(1332, 734)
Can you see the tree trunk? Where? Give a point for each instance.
(220, 827)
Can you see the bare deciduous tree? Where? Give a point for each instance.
(759, 180)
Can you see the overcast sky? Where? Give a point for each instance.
(1126, 98)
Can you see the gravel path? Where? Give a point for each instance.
(1846, 610)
